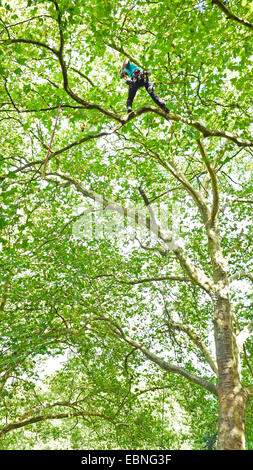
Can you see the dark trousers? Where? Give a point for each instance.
(138, 81)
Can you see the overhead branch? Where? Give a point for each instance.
(147, 204)
(130, 213)
(240, 275)
(144, 109)
(59, 20)
(33, 417)
(179, 176)
(231, 15)
(169, 367)
(25, 21)
(9, 95)
(244, 201)
(214, 181)
(244, 335)
(196, 340)
(196, 274)
(145, 280)
(196, 195)
(82, 75)
(77, 98)
(32, 42)
(249, 391)
(205, 131)
(218, 157)
(84, 139)
(40, 110)
(123, 52)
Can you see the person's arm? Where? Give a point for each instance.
(126, 61)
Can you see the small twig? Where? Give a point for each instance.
(8, 93)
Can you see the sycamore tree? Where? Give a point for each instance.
(133, 255)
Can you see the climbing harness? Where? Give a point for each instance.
(138, 76)
(51, 141)
(142, 74)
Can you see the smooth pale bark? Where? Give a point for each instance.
(232, 397)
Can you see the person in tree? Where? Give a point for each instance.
(137, 79)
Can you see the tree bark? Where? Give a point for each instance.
(232, 406)
(232, 396)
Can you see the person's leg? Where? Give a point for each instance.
(155, 98)
(133, 87)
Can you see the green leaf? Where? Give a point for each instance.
(18, 71)
(3, 222)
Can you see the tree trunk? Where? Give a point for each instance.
(232, 404)
(232, 397)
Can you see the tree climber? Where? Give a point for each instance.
(138, 78)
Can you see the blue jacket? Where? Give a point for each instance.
(130, 68)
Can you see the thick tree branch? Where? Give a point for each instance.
(33, 42)
(144, 109)
(197, 341)
(179, 176)
(244, 335)
(159, 361)
(84, 139)
(230, 15)
(196, 195)
(241, 274)
(192, 123)
(27, 419)
(60, 26)
(249, 391)
(215, 188)
(244, 201)
(76, 97)
(130, 213)
(147, 204)
(171, 243)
